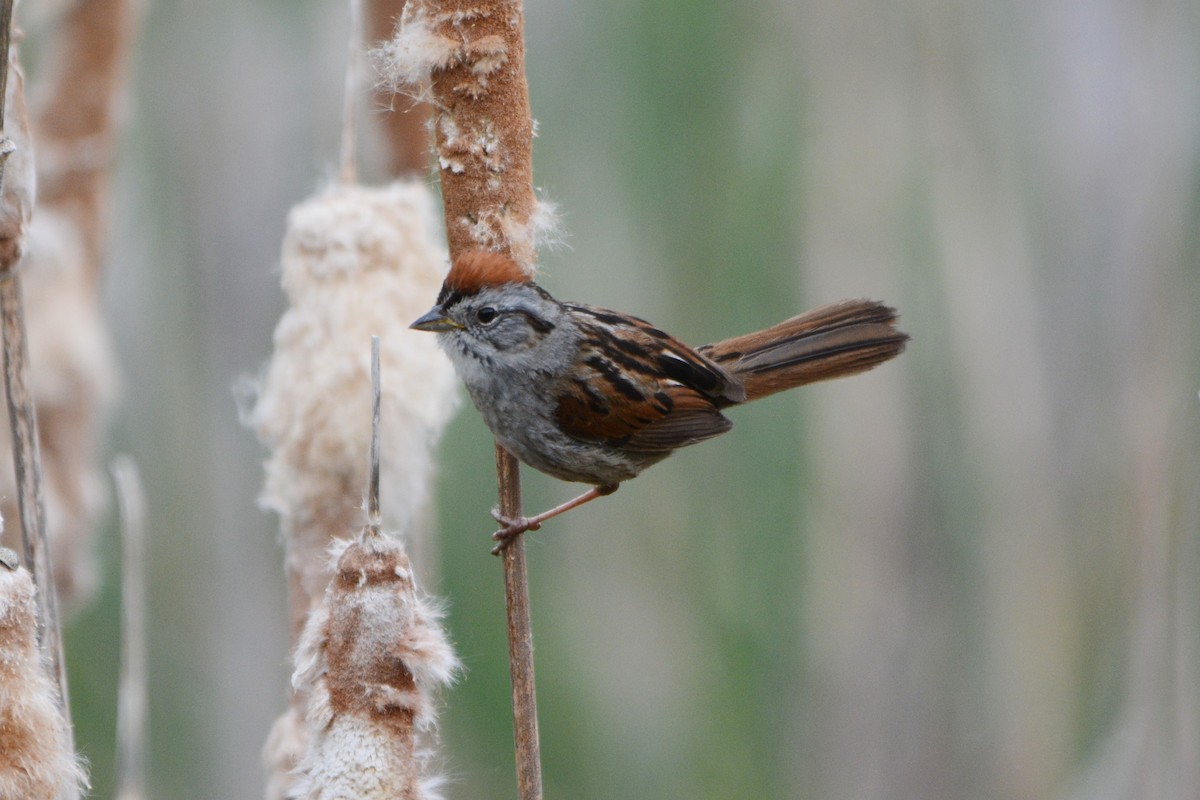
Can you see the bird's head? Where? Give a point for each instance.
(488, 308)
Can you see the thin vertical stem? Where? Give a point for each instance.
(348, 172)
(374, 519)
(131, 690)
(6, 12)
(520, 636)
(27, 464)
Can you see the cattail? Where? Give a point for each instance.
(461, 54)
(370, 661)
(36, 762)
(75, 118)
(357, 261)
(73, 383)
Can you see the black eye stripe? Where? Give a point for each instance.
(537, 323)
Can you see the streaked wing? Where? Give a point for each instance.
(637, 388)
(679, 429)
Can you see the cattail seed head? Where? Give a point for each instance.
(370, 661)
(35, 762)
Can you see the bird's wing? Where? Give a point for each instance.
(635, 387)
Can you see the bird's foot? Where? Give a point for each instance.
(513, 527)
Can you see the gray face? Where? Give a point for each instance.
(501, 329)
(509, 319)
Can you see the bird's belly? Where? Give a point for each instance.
(533, 437)
(569, 460)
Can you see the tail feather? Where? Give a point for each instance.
(828, 342)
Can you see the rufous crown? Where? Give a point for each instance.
(476, 269)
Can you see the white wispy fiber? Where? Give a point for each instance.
(35, 762)
(406, 60)
(356, 262)
(370, 661)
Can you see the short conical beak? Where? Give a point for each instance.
(435, 320)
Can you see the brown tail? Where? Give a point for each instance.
(828, 342)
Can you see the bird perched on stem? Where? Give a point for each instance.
(595, 396)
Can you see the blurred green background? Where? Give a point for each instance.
(968, 574)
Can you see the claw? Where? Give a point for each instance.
(513, 527)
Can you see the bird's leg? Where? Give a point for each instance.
(515, 526)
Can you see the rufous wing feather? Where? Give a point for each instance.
(637, 388)
(828, 342)
(677, 417)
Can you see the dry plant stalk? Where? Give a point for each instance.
(37, 761)
(356, 262)
(370, 661)
(348, 158)
(132, 700)
(75, 120)
(16, 203)
(17, 184)
(467, 58)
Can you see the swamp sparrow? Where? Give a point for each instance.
(596, 396)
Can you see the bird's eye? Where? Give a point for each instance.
(486, 315)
